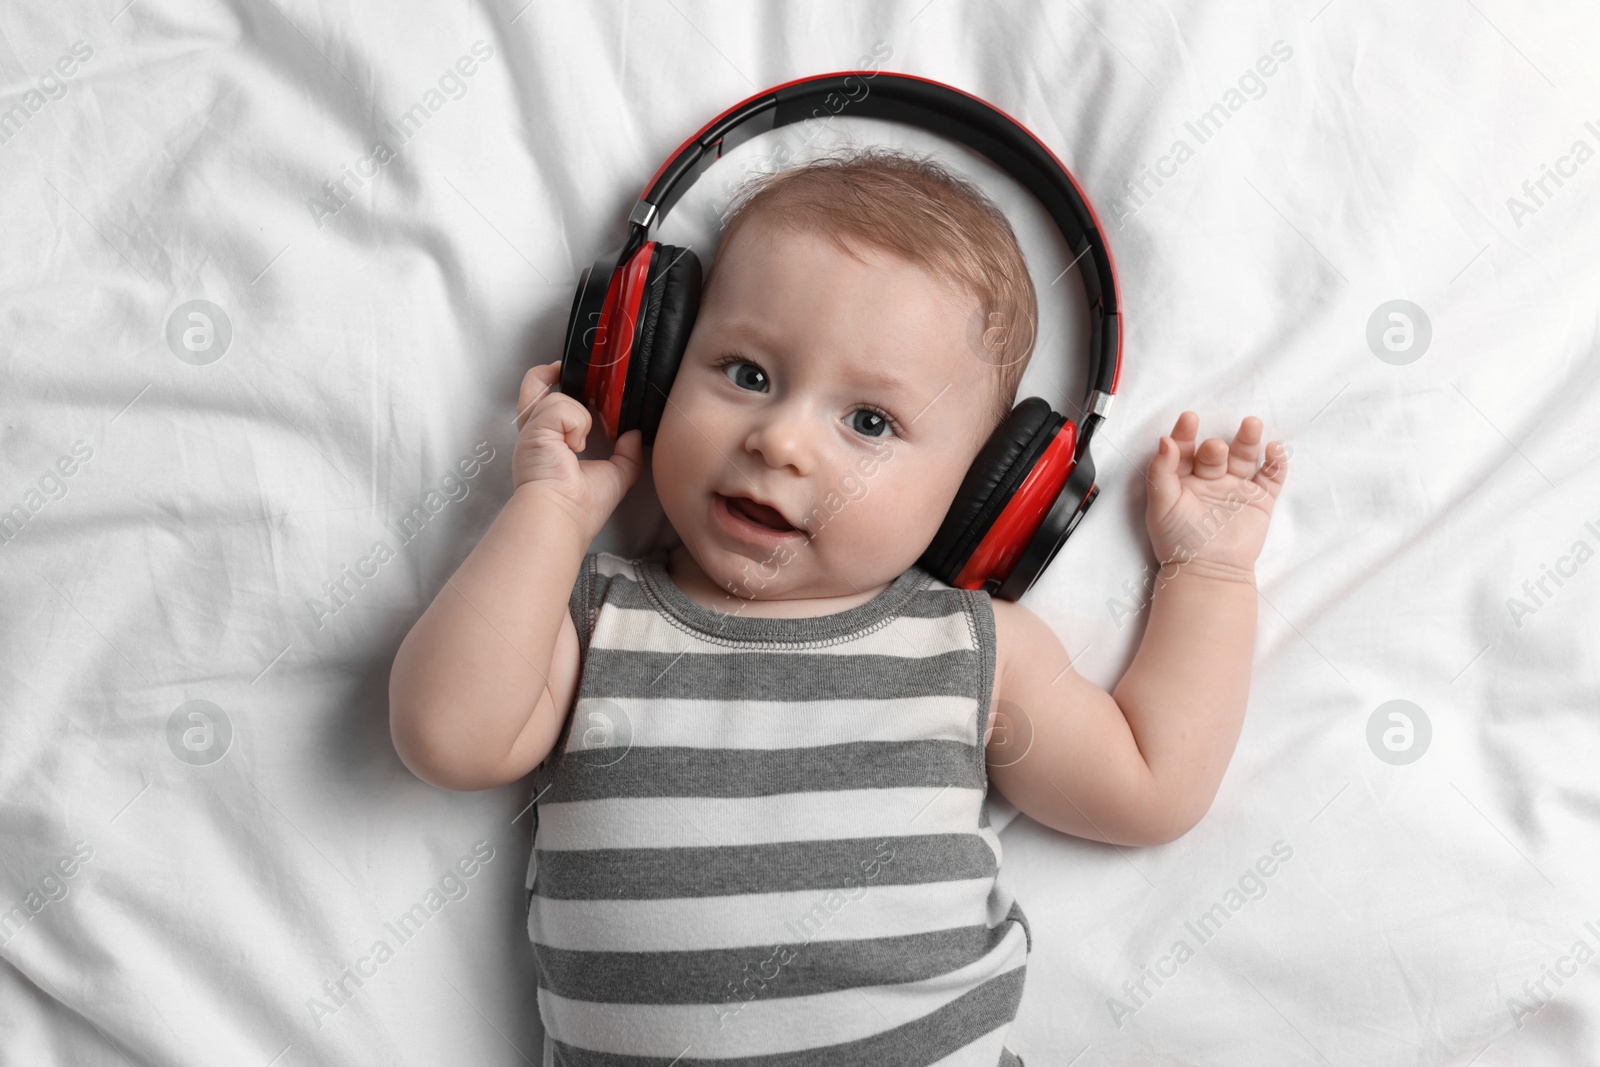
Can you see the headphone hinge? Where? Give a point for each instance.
(643, 215)
(1091, 423)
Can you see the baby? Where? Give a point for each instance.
(762, 754)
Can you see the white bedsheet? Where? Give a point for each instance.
(374, 349)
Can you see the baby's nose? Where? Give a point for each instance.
(784, 441)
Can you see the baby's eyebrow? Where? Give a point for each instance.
(877, 379)
(750, 330)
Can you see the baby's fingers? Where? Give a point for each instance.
(627, 460)
(1182, 439)
(535, 384)
(1273, 472)
(1246, 447)
(570, 419)
(1165, 488)
(1211, 458)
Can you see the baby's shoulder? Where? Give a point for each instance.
(1016, 630)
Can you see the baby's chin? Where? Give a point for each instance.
(786, 573)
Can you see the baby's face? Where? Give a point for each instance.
(848, 395)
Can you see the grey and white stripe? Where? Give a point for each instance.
(762, 842)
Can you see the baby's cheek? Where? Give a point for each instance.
(927, 507)
(852, 486)
(666, 477)
(669, 461)
(903, 506)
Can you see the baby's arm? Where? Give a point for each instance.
(482, 684)
(1141, 765)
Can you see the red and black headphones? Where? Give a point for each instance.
(1032, 481)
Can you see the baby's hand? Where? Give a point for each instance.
(553, 429)
(1210, 504)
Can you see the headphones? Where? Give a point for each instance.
(1033, 480)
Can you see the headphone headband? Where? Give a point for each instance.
(941, 109)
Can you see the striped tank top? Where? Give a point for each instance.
(763, 842)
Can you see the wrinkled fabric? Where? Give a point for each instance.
(270, 277)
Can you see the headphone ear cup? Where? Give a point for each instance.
(666, 318)
(1000, 466)
(585, 324)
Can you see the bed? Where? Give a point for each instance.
(272, 273)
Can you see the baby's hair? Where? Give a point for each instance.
(915, 208)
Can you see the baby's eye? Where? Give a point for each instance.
(869, 423)
(745, 375)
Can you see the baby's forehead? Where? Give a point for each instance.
(770, 240)
(943, 317)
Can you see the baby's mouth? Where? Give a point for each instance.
(759, 514)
